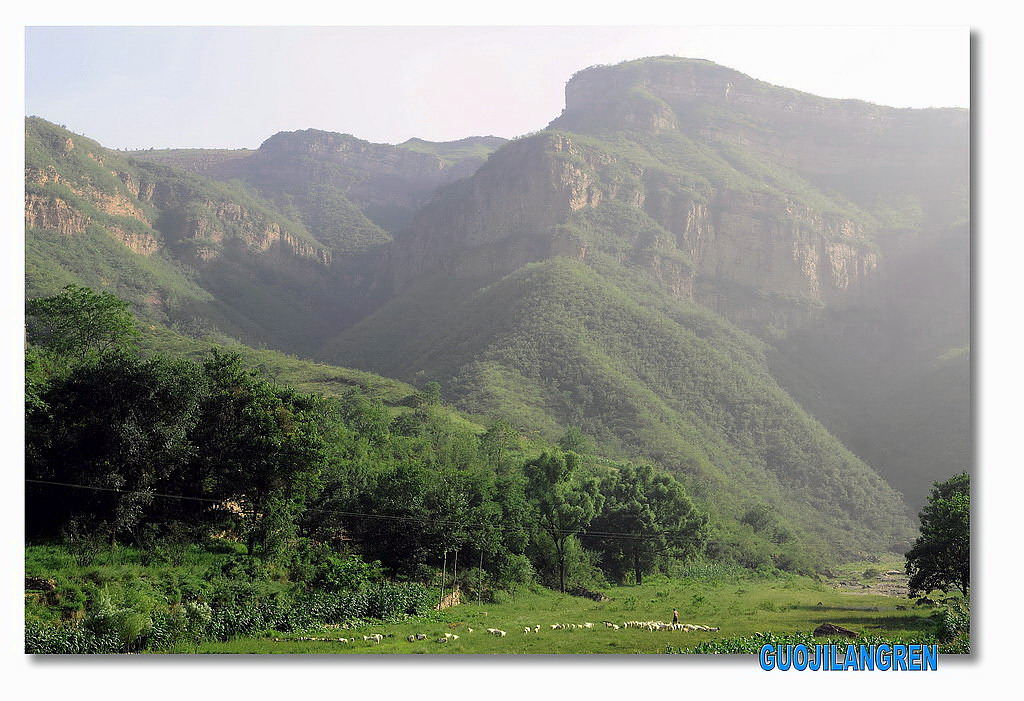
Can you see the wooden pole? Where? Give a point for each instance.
(455, 575)
(444, 572)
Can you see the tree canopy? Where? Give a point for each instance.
(656, 513)
(79, 322)
(941, 556)
(565, 501)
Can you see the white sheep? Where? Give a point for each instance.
(411, 638)
(536, 629)
(421, 636)
(527, 630)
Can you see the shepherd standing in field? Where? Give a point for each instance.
(675, 615)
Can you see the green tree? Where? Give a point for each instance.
(80, 322)
(261, 446)
(121, 425)
(499, 442)
(565, 501)
(573, 441)
(431, 394)
(941, 556)
(655, 512)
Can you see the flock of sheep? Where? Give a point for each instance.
(644, 625)
(375, 638)
(527, 630)
(661, 625)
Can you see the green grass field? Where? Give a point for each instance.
(738, 606)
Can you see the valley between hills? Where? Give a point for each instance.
(762, 294)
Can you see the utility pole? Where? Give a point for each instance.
(455, 575)
(444, 572)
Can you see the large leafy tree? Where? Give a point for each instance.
(565, 501)
(261, 447)
(120, 426)
(499, 442)
(941, 556)
(646, 515)
(80, 322)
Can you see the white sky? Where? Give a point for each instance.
(137, 87)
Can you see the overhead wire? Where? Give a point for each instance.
(385, 517)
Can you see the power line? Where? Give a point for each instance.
(382, 517)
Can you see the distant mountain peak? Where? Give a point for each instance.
(667, 93)
(311, 141)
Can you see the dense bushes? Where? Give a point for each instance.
(67, 640)
(953, 626)
(752, 644)
(113, 629)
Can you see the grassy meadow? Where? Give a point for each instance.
(738, 605)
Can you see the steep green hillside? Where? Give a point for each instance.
(192, 253)
(562, 343)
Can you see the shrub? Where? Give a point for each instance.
(953, 626)
(752, 644)
(125, 624)
(325, 570)
(67, 640)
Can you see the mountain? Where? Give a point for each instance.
(196, 254)
(353, 193)
(764, 291)
(829, 237)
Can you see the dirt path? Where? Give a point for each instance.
(891, 583)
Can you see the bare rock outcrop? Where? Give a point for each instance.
(827, 630)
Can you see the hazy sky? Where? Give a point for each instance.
(233, 87)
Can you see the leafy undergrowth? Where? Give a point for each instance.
(752, 644)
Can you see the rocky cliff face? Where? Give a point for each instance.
(775, 245)
(147, 209)
(183, 249)
(763, 242)
(780, 199)
(523, 191)
(53, 213)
